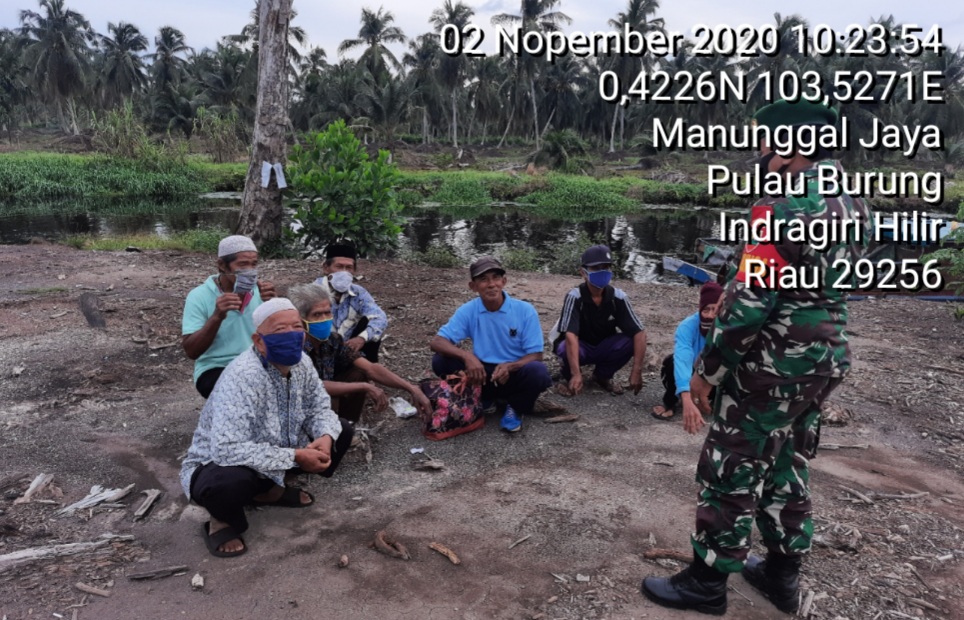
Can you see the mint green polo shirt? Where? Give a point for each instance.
(234, 334)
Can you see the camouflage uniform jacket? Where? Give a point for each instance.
(767, 335)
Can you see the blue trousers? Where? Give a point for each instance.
(608, 356)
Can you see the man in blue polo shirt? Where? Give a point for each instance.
(507, 344)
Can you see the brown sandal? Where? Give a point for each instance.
(664, 417)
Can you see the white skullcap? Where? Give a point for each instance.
(234, 244)
(276, 304)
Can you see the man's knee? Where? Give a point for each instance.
(226, 484)
(535, 374)
(443, 365)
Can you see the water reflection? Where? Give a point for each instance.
(643, 239)
(639, 239)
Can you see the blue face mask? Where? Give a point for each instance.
(600, 279)
(284, 348)
(319, 329)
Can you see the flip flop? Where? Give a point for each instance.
(290, 498)
(215, 540)
(664, 418)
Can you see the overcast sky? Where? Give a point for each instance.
(327, 23)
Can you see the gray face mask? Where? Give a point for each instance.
(245, 280)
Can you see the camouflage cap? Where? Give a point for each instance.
(800, 112)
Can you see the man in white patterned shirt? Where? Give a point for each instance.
(268, 416)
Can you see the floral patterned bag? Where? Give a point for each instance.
(456, 407)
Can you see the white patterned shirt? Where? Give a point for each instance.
(256, 418)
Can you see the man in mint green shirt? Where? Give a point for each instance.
(217, 324)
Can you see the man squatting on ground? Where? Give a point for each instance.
(344, 371)
(591, 314)
(216, 326)
(677, 367)
(775, 355)
(267, 419)
(357, 318)
(507, 344)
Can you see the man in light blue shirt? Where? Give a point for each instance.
(677, 369)
(216, 326)
(507, 344)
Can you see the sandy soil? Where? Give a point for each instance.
(92, 406)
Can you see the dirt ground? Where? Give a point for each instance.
(100, 406)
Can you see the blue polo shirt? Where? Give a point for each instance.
(509, 333)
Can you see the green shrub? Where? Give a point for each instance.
(343, 194)
(522, 259)
(435, 255)
(461, 191)
(580, 193)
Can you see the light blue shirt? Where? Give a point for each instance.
(689, 343)
(509, 333)
(234, 334)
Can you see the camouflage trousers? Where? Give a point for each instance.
(755, 462)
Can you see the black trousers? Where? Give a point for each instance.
(667, 376)
(225, 491)
(370, 348)
(521, 390)
(207, 380)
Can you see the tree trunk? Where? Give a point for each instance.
(484, 123)
(535, 112)
(548, 122)
(424, 124)
(261, 213)
(612, 131)
(507, 125)
(455, 120)
(622, 126)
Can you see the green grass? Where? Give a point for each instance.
(201, 240)
(34, 176)
(43, 291)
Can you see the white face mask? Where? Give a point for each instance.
(341, 280)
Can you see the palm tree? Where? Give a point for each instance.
(122, 74)
(14, 89)
(422, 60)
(375, 32)
(169, 101)
(636, 18)
(387, 105)
(57, 54)
(451, 68)
(534, 16)
(488, 75)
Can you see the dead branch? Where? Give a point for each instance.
(572, 417)
(145, 507)
(454, 559)
(859, 495)
(41, 482)
(158, 574)
(83, 587)
(384, 544)
(97, 495)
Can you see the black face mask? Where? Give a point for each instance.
(765, 163)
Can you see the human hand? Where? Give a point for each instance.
(355, 344)
(636, 380)
(266, 289)
(501, 373)
(379, 399)
(474, 370)
(700, 392)
(225, 303)
(422, 403)
(322, 444)
(311, 460)
(692, 418)
(575, 383)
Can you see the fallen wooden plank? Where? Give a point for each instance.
(97, 495)
(145, 507)
(160, 573)
(23, 556)
(41, 482)
(83, 587)
(572, 417)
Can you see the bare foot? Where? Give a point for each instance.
(232, 546)
(662, 413)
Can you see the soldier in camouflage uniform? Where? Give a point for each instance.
(776, 354)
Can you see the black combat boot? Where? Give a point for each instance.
(777, 578)
(698, 587)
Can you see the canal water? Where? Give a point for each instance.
(640, 239)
